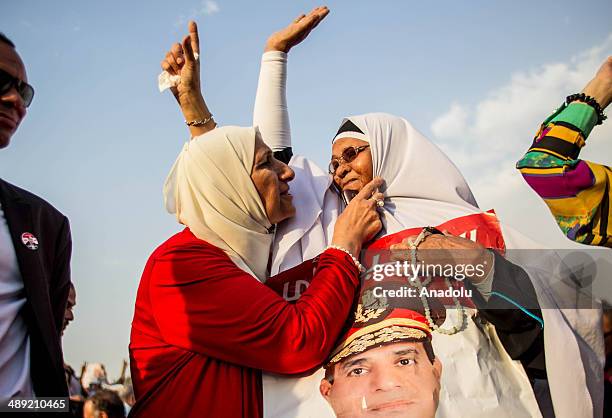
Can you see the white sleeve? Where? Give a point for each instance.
(270, 114)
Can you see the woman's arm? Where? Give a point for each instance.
(271, 113)
(576, 191)
(181, 60)
(222, 312)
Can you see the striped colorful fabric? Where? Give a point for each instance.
(576, 191)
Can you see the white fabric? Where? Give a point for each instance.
(14, 339)
(423, 187)
(349, 134)
(479, 379)
(210, 190)
(569, 333)
(271, 102)
(305, 236)
(165, 80)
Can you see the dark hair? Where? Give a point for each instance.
(6, 40)
(329, 369)
(108, 401)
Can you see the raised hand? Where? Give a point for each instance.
(297, 31)
(181, 60)
(359, 222)
(600, 87)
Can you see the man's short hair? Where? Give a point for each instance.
(427, 346)
(108, 401)
(6, 40)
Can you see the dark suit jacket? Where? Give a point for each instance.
(46, 277)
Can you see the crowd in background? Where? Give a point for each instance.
(91, 392)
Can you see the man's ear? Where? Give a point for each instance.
(437, 366)
(437, 371)
(325, 388)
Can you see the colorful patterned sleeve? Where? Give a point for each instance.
(576, 191)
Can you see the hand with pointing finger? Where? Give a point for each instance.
(181, 60)
(360, 221)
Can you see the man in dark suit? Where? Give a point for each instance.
(35, 249)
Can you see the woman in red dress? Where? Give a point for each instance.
(205, 325)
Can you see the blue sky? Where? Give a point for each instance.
(98, 141)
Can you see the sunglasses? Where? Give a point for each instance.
(25, 91)
(348, 155)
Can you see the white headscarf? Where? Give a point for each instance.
(422, 185)
(210, 190)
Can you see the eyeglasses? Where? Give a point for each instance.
(348, 155)
(26, 92)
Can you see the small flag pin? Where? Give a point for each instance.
(29, 241)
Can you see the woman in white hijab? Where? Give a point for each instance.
(423, 189)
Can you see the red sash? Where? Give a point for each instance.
(483, 228)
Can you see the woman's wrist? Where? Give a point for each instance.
(197, 116)
(276, 46)
(198, 130)
(600, 91)
(351, 253)
(194, 108)
(352, 246)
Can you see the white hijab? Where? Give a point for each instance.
(422, 185)
(210, 190)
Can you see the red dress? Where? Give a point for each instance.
(203, 329)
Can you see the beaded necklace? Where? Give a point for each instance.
(416, 282)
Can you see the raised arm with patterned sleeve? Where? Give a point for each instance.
(576, 191)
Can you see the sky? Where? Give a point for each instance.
(477, 77)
